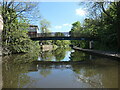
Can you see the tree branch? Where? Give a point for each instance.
(106, 12)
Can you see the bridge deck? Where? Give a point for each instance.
(61, 38)
(65, 36)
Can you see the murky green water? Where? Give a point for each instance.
(92, 72)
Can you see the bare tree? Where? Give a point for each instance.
(22, 9)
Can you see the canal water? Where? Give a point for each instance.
(18, 71)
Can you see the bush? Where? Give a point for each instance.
(19, 42)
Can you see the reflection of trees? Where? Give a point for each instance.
(14, 75)
(46, 56)
(87, 74)
(59, 53)
(97, 73)
(78, 56)
(45, 70)
(81, 69)
(21, 58)
(15, 68)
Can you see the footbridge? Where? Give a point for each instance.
(60, 36)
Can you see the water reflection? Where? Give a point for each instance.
(15, 75)
(64, 54)
(94, 72)
(46, 56)
(98, 73)
(79, 56)
(59, 54)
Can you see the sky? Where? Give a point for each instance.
(61, 15)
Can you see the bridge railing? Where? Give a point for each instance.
(49, 35)
(53, 34)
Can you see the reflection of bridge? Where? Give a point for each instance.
(63, 36)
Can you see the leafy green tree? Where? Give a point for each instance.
(20, 42)
(14, 39)
(75, 30)
(59, 34)
(109, 22)
(102, 24)
(11, 11)
(45, 25)
(78, 31)
(90, 27)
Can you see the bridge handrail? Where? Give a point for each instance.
(74, 35)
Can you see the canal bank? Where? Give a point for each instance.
(115, 56)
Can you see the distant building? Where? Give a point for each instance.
(32, 29)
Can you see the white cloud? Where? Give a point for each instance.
(58, 27)
(81, 12)
(63, 26)
(69, 25)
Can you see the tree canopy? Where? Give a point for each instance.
(103, 23)
(14, 39)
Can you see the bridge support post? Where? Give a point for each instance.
(91, 44)
(90, 57)
(40, 43)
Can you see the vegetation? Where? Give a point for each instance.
(45, 25)
(78, 56)
(61, 43)
(14, 39)
(19, 42)
(59, 34)
(76, 31)
(103, 24)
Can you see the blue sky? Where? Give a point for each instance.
(61, 14)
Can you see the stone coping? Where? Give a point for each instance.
(100, 53)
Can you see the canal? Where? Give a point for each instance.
(18, 71)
